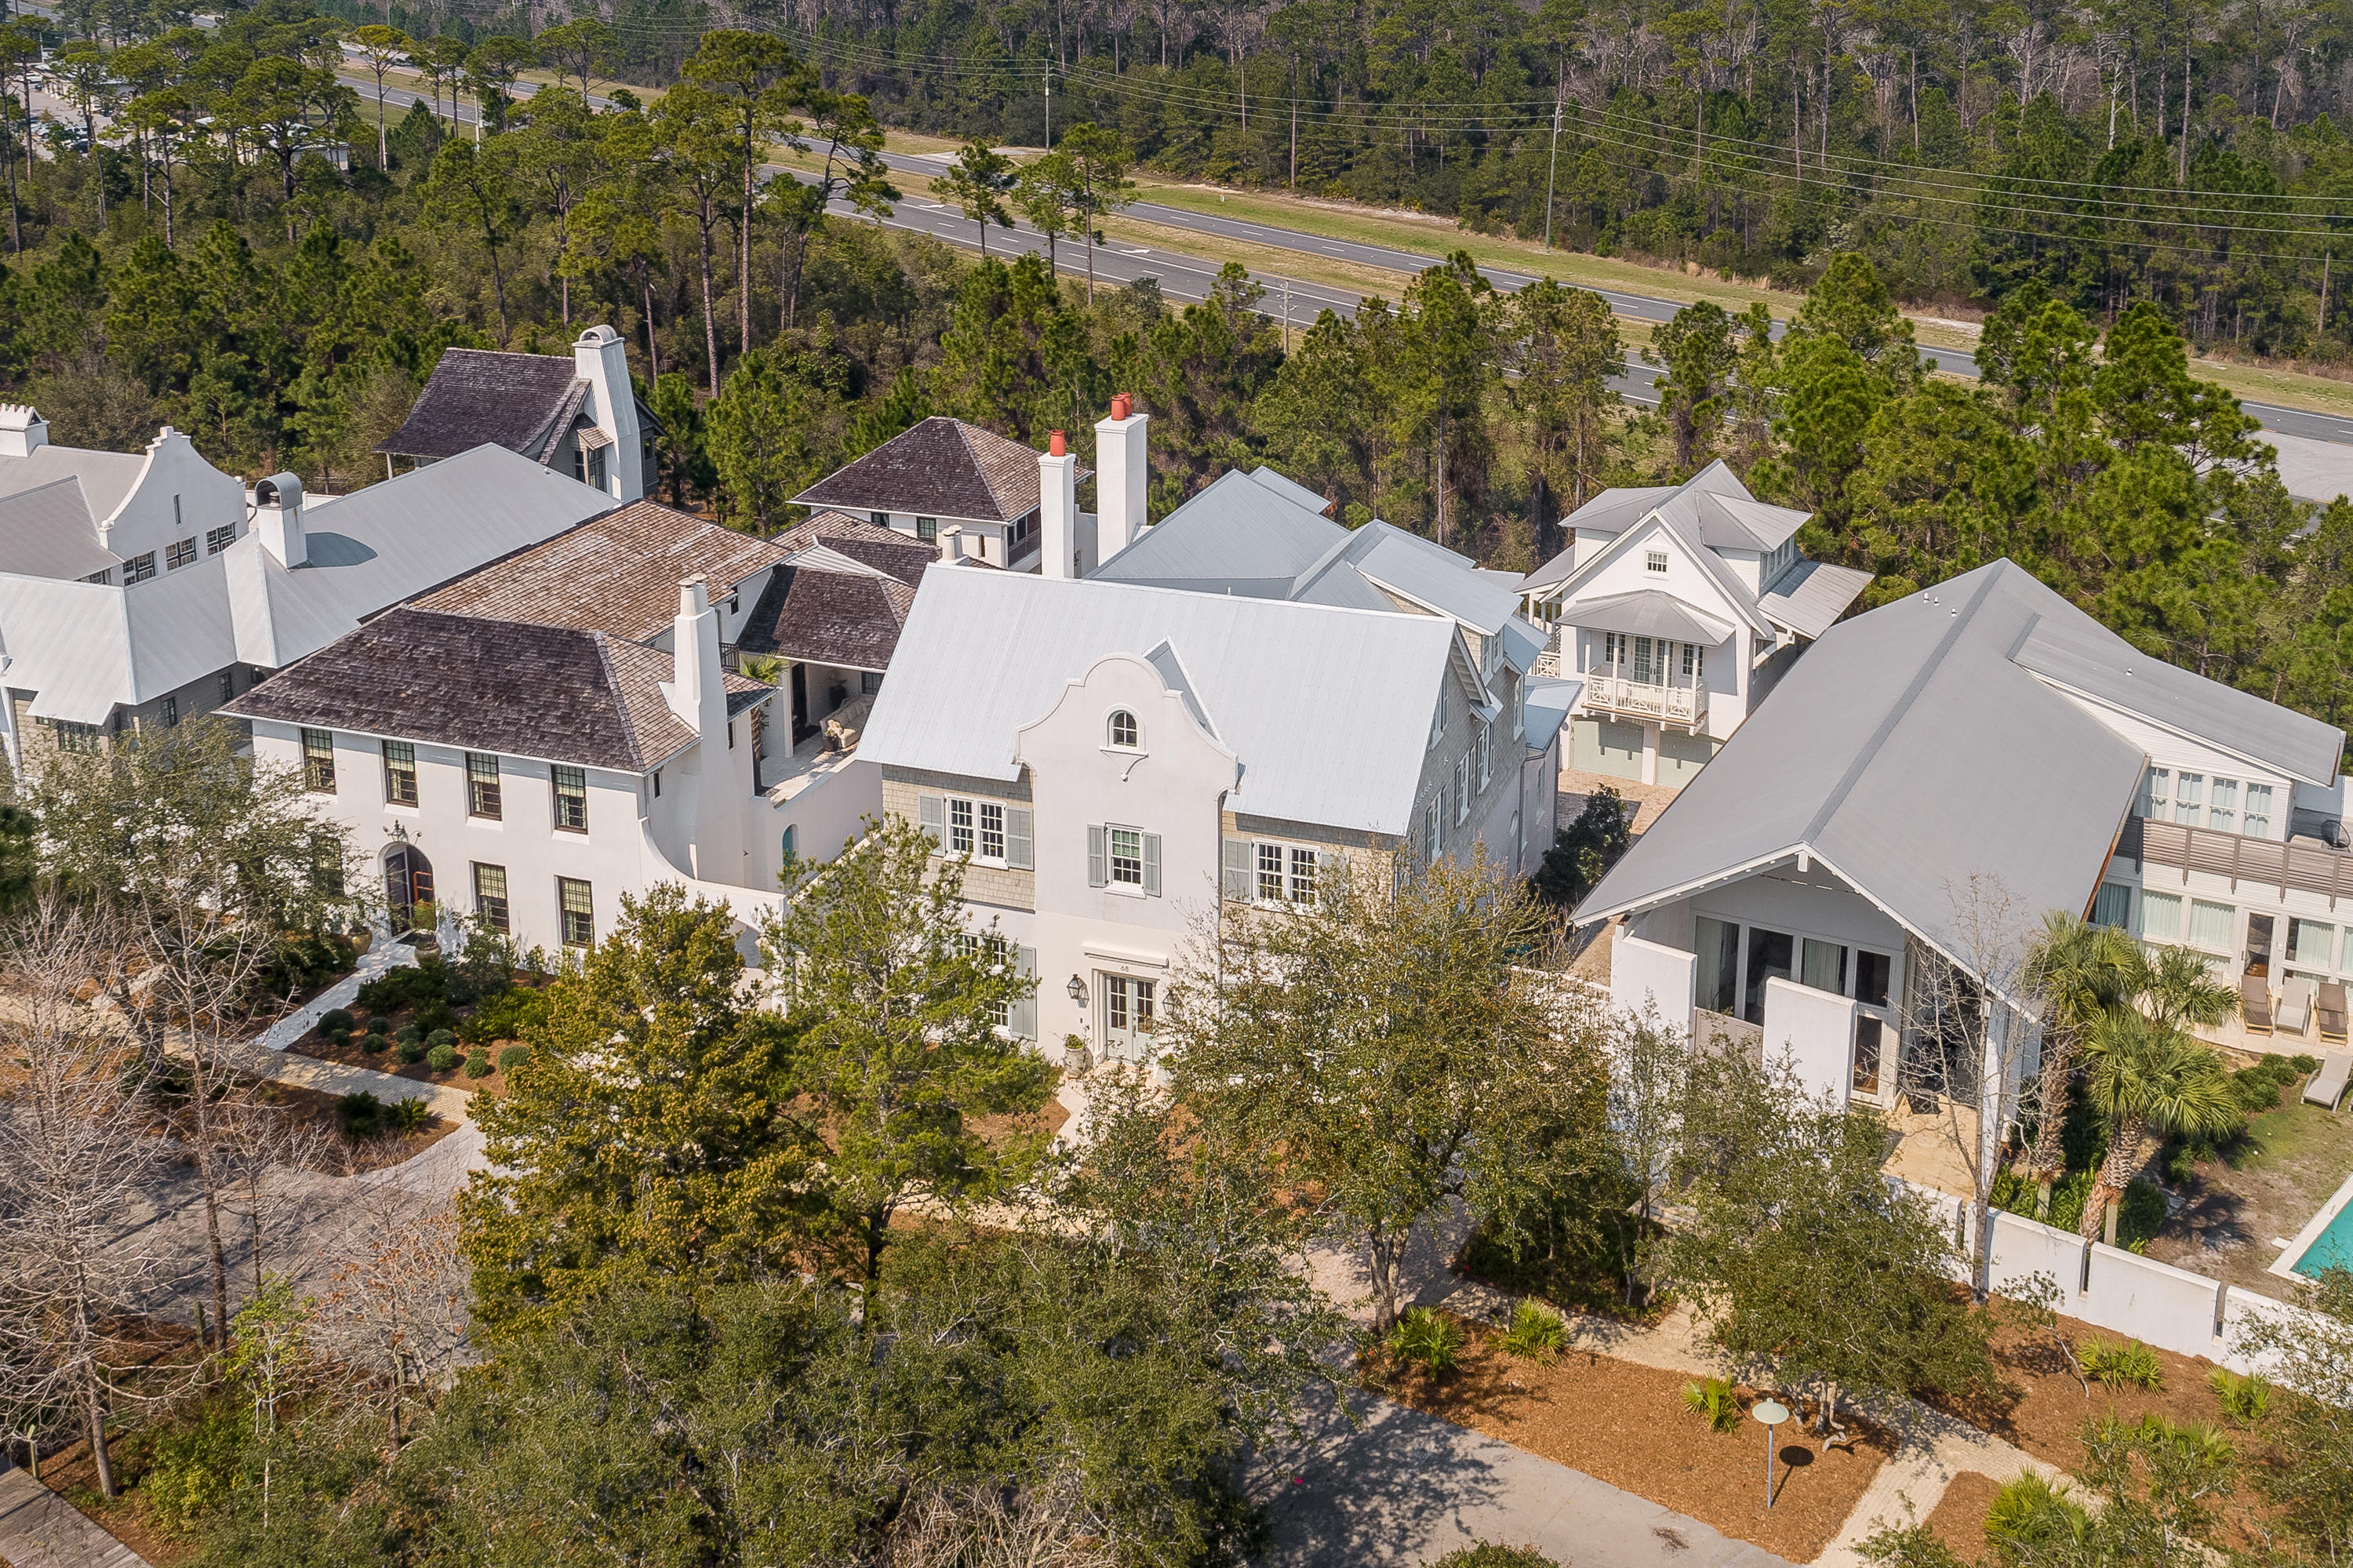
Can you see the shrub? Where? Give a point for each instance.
(441, 1058)
(369, 1043)
(2305, 1064)
(478, 1063)
(514, 1056)
(1493, 1554)
(1536, 1331)
(1712, 1400)
(1914, 1546)
(409, 1114)
(2031, 1516)
(2112, 1365)
(1425, 1338)
(411, 1048)
(195, 1466)
(339, 1037)
(335, 1019)
(409, 1032)
(2016, 1193)
(442, 1037)
(359, 1115)
(2244, 1399)
(2142, 1215)
(436, 1014)
(505, 1016)
(379, 1024)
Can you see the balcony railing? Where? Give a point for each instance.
(2300, 862)
(1606, 693)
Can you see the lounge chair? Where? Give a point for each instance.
(2327, 1086)
(2295, 1004)
(2331, 1009)
(2255, 1004)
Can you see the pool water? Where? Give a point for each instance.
(2332, 1248)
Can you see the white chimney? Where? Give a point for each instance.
(1122, 473)
(1057, 509)
(23, 431)
(277, 518)
(604, 363)
(696, 693)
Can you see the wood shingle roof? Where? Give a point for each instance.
(939, 468)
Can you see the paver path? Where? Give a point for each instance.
(268, 1055)
(39, 1529)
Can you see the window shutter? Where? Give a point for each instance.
(1098, 871)
(932, 816)
(1152, 865)
(1019, 855)
(1021, 1018)
(1238, 870)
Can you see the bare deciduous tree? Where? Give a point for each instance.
(397, 1310)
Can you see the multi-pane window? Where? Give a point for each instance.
(2257, 822)
(77, 737)
(988, 830)
(1461, 788)
(179, 553)
(960, 838)
(327, 865)
(220, 538)
(579, 916)
(927, 529)
(1655, 560)
(228, 684)
(2190, 798)
(102, 577)
(2156, 793)
(1128, 1004)
(1485, 744)
(2223, 806)
(319, 761)
(1122, 729)
(1303, 876)
(399, 773)
(992, 831)
(491, 895)
(1694, 662)
(171, 712)
(571, 785)
(1270, 871)
(138, 569)
(483, 798)
(1127, 857)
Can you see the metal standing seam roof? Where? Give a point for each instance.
(1420, 570)
(1894, 752)
(1734, 591)
(1712, 506)
(1328, 709)
(1652, 612)
(1240, 534)
(49, 532)
(107, 478)
(618, 572)
(1810, 596)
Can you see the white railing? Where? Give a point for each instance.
(1644, 699)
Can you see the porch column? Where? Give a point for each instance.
(1650, 734)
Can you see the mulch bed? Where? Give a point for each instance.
(317, 1046)
(1627, 1424)
(2044, 1408)
(348, 1157)
(1960, 1520)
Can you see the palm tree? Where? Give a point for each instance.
(2174, 985)
(2148, 1077)
(2081, 971)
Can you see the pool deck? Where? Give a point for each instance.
(2305, 1238)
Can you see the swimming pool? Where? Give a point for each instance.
(2325, 1241)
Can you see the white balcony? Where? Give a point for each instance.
(1618, 696)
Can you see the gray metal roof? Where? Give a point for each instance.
(1712, 507)
(2077, 652)
(48, 532)
(1686, 534)
(1652, 612)
(1240, 535)
(106, 477)
(1909, 750)
(1547, 708)
(1327, 709)
(1810, 596)
(1290, 489)
(1427, 573)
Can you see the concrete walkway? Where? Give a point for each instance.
(268, 1054)
(39, 1529)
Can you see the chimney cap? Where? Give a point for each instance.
(1058, 445)
(279, 490)
(1119, 406)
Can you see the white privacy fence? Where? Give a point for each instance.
(2123, 1292)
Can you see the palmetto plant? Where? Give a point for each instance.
(2082, 971)
(2174, 986)
(2148, 1077)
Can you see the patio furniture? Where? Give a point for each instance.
(2327, 1086)
(2331, 1009)
(2255, 1004)
(2295, 1003)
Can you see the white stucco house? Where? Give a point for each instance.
(1677, 606)
(137, 591)
(1136, 755)
(1971, 755)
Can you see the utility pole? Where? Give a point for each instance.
(1286, 309)
(1049, 106)
(1552, 168)
(2326, 256)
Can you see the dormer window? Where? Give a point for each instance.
(1656, 560)
(1123, 732)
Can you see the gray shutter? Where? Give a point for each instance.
(1019, 853)
(932, 816)
(1098, 867)
(1238, 871)
(1152, 865)
(1022, 1017)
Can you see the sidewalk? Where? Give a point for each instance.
(39, 1529)
(268, 1055)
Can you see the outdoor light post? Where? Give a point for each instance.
(1772, 1415)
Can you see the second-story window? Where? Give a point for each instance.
(220, 538)
(1303, 876)
(399, 773)
(1462, 789)
(1484, 751)
(81, 738)
(959, 827)
(1127, 857)
(319, 761)
(483, 798)
(138, 569)
(1124, 857)
(491, 895)
(179, 553)
(1270, 871)
(992, 831)
(927, 529)
(571, 786)
(2257, 822)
